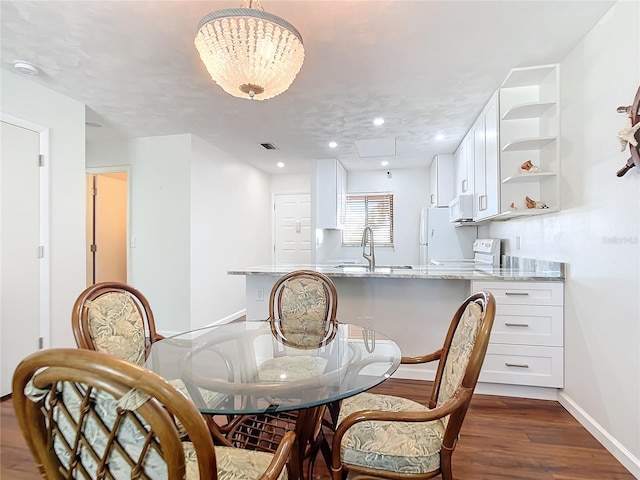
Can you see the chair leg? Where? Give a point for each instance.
(325, 448)
(334, 411)
(445, 464)
(218, 437)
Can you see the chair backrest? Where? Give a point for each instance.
(461, 359)
(302, 309)
(86, 414)
(114, 318)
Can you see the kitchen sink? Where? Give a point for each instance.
(358, 266)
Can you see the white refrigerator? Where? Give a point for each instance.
(440, 239)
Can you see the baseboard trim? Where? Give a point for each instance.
(624, 456)
(228, 319)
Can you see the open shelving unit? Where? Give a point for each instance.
(528, 177)
(528, 144)
(527, 110)
(529, 129)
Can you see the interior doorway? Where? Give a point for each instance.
(292, 229)
(107, 225)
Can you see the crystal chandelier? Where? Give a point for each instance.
(248, 52)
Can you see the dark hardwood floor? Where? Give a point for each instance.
(502, 438)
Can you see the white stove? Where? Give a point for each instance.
(486, 253)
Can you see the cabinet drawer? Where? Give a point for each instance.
(523, 293)
(528, 325)
(524, 365)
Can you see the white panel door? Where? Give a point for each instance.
(292, 229)
(19, 248)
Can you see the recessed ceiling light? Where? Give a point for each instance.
(439, 137)
(384, 163)
(378, 121)
(280, 165)
(25, 68)
(93, 124)
(333, 144)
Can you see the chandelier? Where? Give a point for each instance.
(248, 52)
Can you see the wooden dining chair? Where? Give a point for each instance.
(383, 436)
(116, 318)
(89, 415)
(302, 316)
(302, 309)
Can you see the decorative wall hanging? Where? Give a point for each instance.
(629, 135)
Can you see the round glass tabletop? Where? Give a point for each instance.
(241, 368)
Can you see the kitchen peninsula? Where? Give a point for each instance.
(414, 305)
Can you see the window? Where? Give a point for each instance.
(373, 209)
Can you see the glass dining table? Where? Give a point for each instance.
(240, 368)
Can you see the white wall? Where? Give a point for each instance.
(597, 234)
(196, 213)
(410, 188)
(161, 226)
(65, 118)
(231, 229)
(291, 183)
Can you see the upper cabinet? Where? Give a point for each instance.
(529, 125)
(517, 128)
(463, 166)
(331, 191)
(442, 182)
(486, 159)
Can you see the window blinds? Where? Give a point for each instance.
(375, 210)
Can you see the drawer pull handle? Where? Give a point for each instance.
(518, 365)
(516, 324)
(524, 294)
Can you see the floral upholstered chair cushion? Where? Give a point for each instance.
(291, 368)
(116, 326)
(233, 463)
(460, 350)
(99, 413)
(304, 312)
(408, 447)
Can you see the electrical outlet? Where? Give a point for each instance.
(260, 294)
(517, 243)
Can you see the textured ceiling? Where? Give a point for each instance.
(427, 67)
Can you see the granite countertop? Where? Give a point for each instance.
(514, 268)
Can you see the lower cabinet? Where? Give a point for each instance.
(527, 339)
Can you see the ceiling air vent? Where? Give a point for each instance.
(269, 146)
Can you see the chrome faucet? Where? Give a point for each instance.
(367, 234)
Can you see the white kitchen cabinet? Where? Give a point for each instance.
(529, 124)
(527, 339)
(441, 176)
(486, 192)
(458, 173)
(463, 166)
(331, 190)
